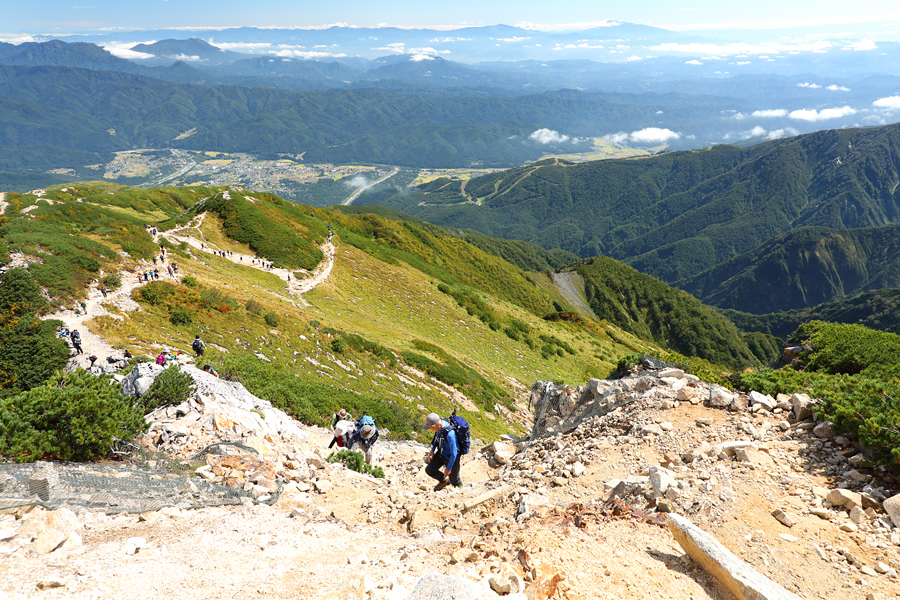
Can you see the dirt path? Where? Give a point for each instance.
(191, 234)
(96, 305)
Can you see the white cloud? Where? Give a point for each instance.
(693, 62)
(420, 57)
(837, 88)
(633, 58)
(17, 38)
(128, 53)
(548, 136)
(739, 116)
(767, 114)
(245, 46)
(565, 26)
(357, 182)
(862, 45)
(780, 133)
(742, 49)
(648, 135)
(742, 62)
(512, 39)
(812, 86)
(746, 135)
(447, 40)
(889, 103)
(398, 47)
(813, 115)
(308, 54)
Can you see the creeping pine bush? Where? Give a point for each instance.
(272, 319)
(172, 386)
(254, 307)
(76, 416)
(356, 461)
(190, 281)
(181, 316)
(112, 281)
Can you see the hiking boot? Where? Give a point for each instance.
(441, 485)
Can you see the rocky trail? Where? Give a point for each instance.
(577, 514)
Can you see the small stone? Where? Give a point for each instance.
(50, 583)
(783, 518)
(892, 508)
(784, 425)
(133, 545)
(323, 486)
(882, 568)
(666, 426)
(857, 515)
(664, 505)
(788, 537)
(822, 513)
(869, 571)
(705, 422)
(851, 527)
(501, 585)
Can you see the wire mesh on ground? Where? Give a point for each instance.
(143, 482)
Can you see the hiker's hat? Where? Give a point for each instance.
(431, 420)
(367, 431)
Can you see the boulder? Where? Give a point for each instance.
(503, 452)
(719, 398)
(892, 508)
(845, 498)
(671, 372)
(802, 406)
(766, 402)
(823, 430)
(661, 479)
(48, 530)
(736, 575)
(755, 457)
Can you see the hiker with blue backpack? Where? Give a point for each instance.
(366, 435)
(451, 440)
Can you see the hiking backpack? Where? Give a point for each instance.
(463, 436)
(195, 345)
(365, 420)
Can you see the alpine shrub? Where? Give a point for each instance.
(254, 307)
(112, 281)
(171, 387)
(355, 461)
(181, 316)
(190, 281)
(272, 319)
(75, 417)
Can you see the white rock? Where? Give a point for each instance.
(892, 508)
(133, 545)
(736, 575)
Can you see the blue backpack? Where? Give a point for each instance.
(463, 436)
(365, 420)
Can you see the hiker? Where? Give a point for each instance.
(76, 341)
(161, 359)
(366, 435)
(93, 358)
(198, 346)
(337, 417)
(445, 452)
(209, 369)
(84, 307)
(103, 291)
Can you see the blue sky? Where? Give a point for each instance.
(61, 16)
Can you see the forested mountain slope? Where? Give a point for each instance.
(803, 268)
(678, 213)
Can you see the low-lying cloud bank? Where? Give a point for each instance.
(646, 136)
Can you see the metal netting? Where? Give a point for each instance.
(146, 482)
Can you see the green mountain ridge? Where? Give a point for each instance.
(803, 268)
(678, 213)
